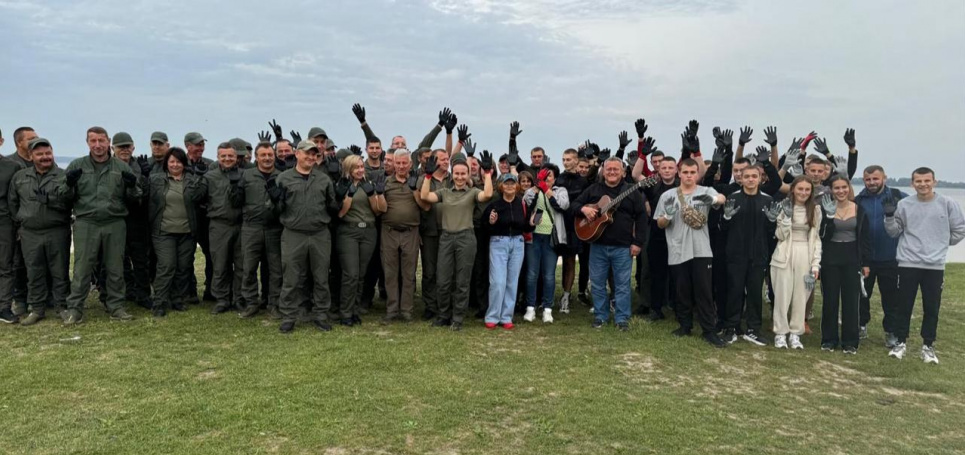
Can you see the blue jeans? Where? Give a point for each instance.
(602, 259)
(505, 262)
(541, 265)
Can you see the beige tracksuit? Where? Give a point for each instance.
(798, 254)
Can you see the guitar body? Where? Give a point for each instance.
(589, 231)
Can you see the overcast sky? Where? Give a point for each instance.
(567, 70)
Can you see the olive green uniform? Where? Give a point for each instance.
(260, 237)
(457, 250)
(429, 232)
(99, 202)
(169, 206)
(19, 270)
(8, 236)
(306, 243)
(44, 235)
(400, 247)
(202, 235)
(356, 245)
(219, 195)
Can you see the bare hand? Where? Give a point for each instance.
(493, 217)
(865, 271)
(634, 251)
(589, 212)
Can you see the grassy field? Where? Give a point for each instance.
(196, 383)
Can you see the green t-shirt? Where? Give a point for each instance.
(175, 217)
(360, 211)
(456, 207)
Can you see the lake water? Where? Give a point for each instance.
(955, 253)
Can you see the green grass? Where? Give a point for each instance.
(196, 383)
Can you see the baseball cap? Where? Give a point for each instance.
(122, 138)
(239, 144)
(506, 178)
(37, 141)
(315, 132)
(306, 146)
(194, 138)
(159, 136)
(329, 144)
(341, 154)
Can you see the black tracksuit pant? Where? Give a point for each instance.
(886, 274)
(661, 281)
(840, 288)
(695, 292)
(931, 282)
(745, 282)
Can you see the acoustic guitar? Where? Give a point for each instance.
(589, 231)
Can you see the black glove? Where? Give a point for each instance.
(821, 146)
(380, 184)
(604, 155)
(264, 136)
(486, 163)
(727, 139)
(889, 206)
(514, 130)
(234, 176)
(641, 126)
(770, 136)
(276, 192)
(745, 136)
(763, 154)
(624, 142)
(690, 144)
(359, 112)
(42, 196)
(129, 179)
(368, 187)
(632, 158)
(73, 176)
(513, 157)
(296, 138)
(290, 161)
(144, 163)
(413, 182)
(276, 128)
(464, 133)
(719, 154)
(451, 123)
(200, 167)
(692, 127)
(469, 147)
(849, 137)
(270, 183)
(444, 115)
(648, 146)
(341, 188)
(331, 165)
(355, 149)
(431, 166)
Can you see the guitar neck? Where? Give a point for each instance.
(617, 200)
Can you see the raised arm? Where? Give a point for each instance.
(359, 112)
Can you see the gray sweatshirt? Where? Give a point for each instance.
(925, 230)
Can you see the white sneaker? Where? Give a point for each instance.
(795, 341)
(548, 316)
(928, 355)
(898, 351)
(780, 342)
(530, 315)
(565, 303)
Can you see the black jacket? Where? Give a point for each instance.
(862, 235)
(512, 218)
(630, 222)
(749, 231)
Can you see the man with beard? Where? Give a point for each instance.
(44, 219)
(100, 187)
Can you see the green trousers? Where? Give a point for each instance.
(108, 239)
(355, 248)
(226, 260)
(304, 253)
(430, 257)
(400, 256)
(46, 256)
(260, 246)
(457, 252)
(175, 261)
(8, 239)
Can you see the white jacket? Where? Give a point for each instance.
(562, 199)
(782, 254)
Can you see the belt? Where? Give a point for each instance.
(401, 229)
(362, 225)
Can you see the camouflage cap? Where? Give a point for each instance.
(37, 141)
(194, 138)
(122, 138)
(315, 132)
(305, 146)
(159, 136)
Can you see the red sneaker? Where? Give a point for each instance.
(508, 326)
(490, 325)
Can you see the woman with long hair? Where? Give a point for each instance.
(361, 201)
(796, 263)
(173, 228)
(507, 220)
(457, 243)
(548, 202)
(846, 245)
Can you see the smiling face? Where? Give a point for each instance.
(612, 172)
(265, 157)
(99, 146)
(460, 175)
(751, 179)
(841, 190)
(43, 158)
(124, 152)
(924, 184)
(175, 168)
(227, 158)
(508, 188)
(159, 149)
(802, 192)
(874, 181)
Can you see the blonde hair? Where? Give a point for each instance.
(348, 165)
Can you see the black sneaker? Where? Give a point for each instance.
(714, 340)
(322, 325)
(730, 336)
(441, 323)
(623, 326)
(7, 316)
(681, 332)
(287, 327)
(755, 339)
(455, 326)
(827, 347)
(583, 298)
(597, 324)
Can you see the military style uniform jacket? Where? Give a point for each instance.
(309, 203)
(157, 200)
(215, 191)
(30, 212)
(252, 197)
(100, 195)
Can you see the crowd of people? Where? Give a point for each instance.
(311, 233)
